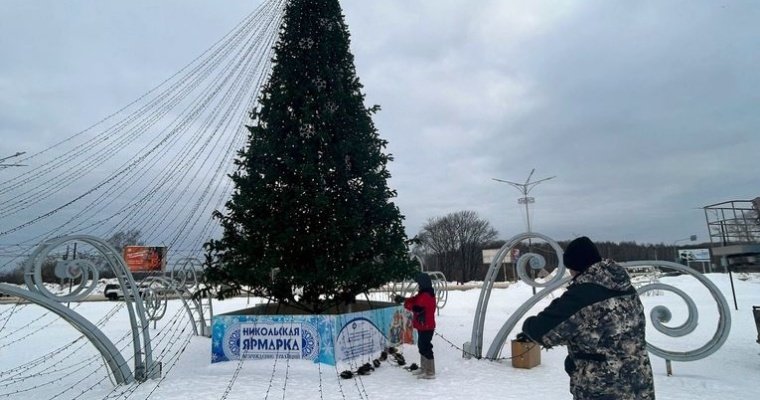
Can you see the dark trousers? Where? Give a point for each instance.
(425, 343)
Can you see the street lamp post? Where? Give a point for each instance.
(524, 189)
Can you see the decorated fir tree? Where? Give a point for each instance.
(311, 222)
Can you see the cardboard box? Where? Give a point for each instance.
(525, 354)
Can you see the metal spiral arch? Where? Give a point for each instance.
(144, 366)
(183, 283)
(658, 316)
(186, 276)
(661, 314)
(437, 278)
(155, 296)
(407, 288)
(198, 302)
(185, 272)
(109, 352)
(534, 261)
(441, 287)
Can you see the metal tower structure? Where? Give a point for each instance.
(525, 189)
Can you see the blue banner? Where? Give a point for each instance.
(321, 338)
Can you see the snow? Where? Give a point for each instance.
(78, 372)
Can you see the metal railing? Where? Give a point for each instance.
(733, 222)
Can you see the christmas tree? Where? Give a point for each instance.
(311, 222)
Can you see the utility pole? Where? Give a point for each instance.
(525, 189)
(3, 165)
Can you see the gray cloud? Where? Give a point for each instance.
(642, 110)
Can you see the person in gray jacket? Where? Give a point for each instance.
(601, 320)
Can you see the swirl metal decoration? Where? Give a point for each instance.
(438, 279)
(660, 315)
(111, 355)
(404, 289)
(145, 367)
(407, 288)
(185, 272)
(154, 292)
(441, 287)
(532, 260)
(81, 269)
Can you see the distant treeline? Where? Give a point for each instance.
(464, 265)
(618, 251)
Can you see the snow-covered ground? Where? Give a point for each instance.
(42, 357)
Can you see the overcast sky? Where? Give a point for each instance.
(645, 111)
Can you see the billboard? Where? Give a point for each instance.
(145, 258)
(489, 254)
(698, 255)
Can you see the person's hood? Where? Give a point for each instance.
(423, 280)
(607, 274)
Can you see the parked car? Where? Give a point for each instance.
(113, 291)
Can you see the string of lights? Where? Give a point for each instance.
(23, 329)
(204, 199)
(199, 62)
(287, 367)
(47, 359)
(149, 216)
(271, 376)
(319, 369)
(160, 336)
(227, 101)
(358, 382)
(340, 385)
(233, 379)
(135, 170)
(85, 362)
(477, 357)
(171, 363)
(78, 223)
(165, 357)
(13, 310)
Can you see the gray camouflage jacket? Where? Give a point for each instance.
(601, 321)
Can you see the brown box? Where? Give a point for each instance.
(525, 354)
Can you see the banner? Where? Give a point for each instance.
(145, 258)
(320, 338)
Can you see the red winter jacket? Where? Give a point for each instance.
(422, 306)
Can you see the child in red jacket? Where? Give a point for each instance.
(423, 306)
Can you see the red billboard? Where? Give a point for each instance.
(145, 258)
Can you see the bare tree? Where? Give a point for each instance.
(121, 239)
(454, 243)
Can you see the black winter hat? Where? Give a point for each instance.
(580, 254)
